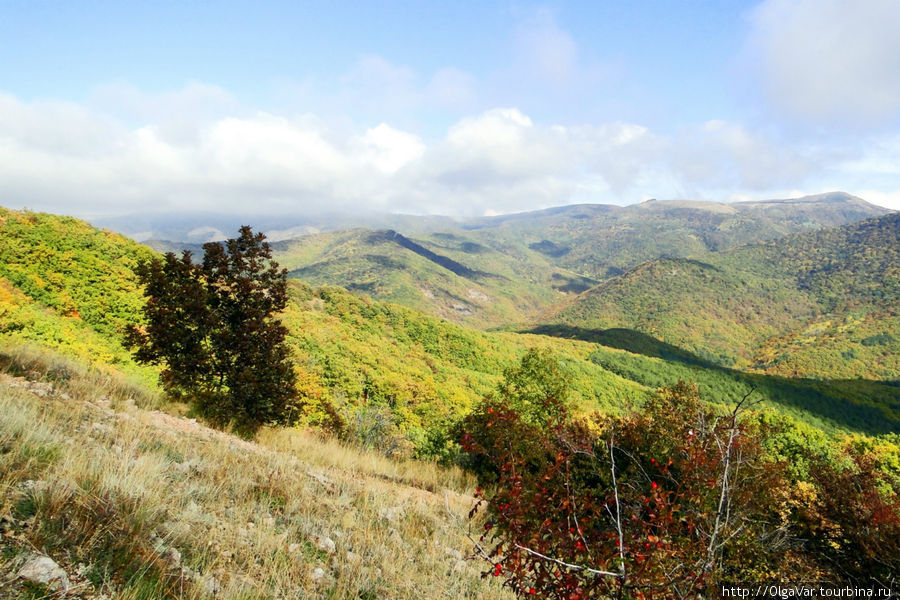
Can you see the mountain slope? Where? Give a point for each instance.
(398, 379)
(822, 303)
(508, 269)
(136, 503)
(445, 275)
(68, 286)
(601, 241)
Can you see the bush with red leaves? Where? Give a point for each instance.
(662, 503)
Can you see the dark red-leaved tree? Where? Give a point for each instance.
(214, 328)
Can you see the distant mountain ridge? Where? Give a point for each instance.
(816, 303)
(199, 227)
(70, 288)
(531, 261)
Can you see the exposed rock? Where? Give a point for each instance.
(326, 545)
(34, 485)
(208, 584)
(473, 294)
(392, 513)
(318, 574)
(43, 570)
(324, 481)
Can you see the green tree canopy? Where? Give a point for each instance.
(214, 328)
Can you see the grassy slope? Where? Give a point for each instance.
(106, 488)
(401, 377)
(816, 304)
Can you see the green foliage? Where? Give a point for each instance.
(65, 264)
(69, 287)
(365, 359)
(510, 269)
(534, 394)
(214, 328)
(821, 304)
(830, 405)
(360, 362)
(536, 388)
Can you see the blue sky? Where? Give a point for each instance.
(452, 108)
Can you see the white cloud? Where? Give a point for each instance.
(829, 61)
(388, 149)
(178, 116)
(724, 155)
(71, 159)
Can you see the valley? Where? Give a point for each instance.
(398, 339)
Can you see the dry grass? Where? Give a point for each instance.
(105, 487)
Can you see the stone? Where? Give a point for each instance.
(392, 514)
(208, 584)
(326, 545)
(44, 571)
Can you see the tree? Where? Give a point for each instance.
(214, 328)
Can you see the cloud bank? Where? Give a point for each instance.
(383, 137)
(158, 153)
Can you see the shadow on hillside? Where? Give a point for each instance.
(625, 339)
(858, 404)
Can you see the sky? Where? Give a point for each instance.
(456, 108)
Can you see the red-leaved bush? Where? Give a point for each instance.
(662, 503)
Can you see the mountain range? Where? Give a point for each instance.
(796, 298)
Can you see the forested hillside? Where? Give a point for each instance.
(394, 375)
(495, 271)
(817, 304)
(67, 285)
(391, 375)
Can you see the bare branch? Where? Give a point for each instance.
(569, 565)
(466, 530)
(612, 467)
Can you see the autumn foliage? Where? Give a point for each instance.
(667, 501)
